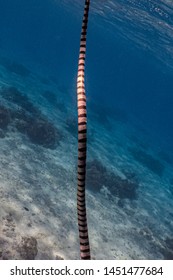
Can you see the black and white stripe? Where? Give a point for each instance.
(82, 141)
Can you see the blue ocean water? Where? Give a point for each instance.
(129, 85)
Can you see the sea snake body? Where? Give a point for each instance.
(82, 141)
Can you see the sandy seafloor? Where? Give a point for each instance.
(38, 217)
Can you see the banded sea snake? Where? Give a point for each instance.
(82, 141)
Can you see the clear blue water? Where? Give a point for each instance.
(129, 72)
(129, 53)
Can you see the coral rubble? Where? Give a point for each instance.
(98, 176)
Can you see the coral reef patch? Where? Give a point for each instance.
(28, 248)
(98, 177)
(27, 119)
(43, 133)
(13, 95)
(153, 164)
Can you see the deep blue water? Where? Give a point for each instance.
(119, 72)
